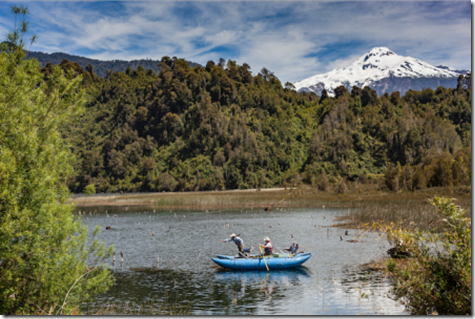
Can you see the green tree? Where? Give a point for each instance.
(323, 182)
(247, 124)
(464, 82)
(437, 279)
(90, 189)
(45, 267)
(289, 86)
(339, 91)
(324, 95)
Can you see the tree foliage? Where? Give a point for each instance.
(43, 256)
(251, 131)
(437, 170)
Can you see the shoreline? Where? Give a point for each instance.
(363, 206)
(115, 195)
(266, 197)
(147, 199)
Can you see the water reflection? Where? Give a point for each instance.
(329, 283)
(254, 287)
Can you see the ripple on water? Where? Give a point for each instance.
(329, 283)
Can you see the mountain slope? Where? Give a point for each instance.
(384, 71)
(100, 67)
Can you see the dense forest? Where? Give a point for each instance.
(219, 127)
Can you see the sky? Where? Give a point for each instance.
(293, 39)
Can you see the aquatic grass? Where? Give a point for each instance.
(297, 197)
(410, 213)
(366, 203)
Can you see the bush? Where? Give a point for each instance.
(443, 174)
(392, 177)
(443, 170)
(362, 179)
(322, 182)
(165, 182)
(308, 177)
(342, 187)
(437, 277)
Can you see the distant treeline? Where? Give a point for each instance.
(219, 127)
(100, 67)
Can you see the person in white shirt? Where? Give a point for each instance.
(237, 240)
(268, 248)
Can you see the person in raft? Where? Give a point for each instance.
(237, 240)
(268, 249)
(293, 248)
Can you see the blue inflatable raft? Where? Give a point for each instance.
(256, 262)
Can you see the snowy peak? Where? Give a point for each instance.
(377, 53)
(378, 64)
(380, 51)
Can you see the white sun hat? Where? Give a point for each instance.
(233, 235)
(266, 239)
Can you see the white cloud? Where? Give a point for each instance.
(342, 63)
(283, 54)
(286, 37)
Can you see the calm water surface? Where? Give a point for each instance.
(329, 283)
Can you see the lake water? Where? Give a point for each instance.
(331, 282)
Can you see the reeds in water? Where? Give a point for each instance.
(370, 203)
(409, 212)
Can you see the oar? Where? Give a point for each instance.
(260, 249)
(240, 253)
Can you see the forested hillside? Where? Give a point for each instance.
(220, 127)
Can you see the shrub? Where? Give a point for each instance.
(392, 177)
(421, 178)
(362, 179)
(407, 177)
(443, 175)
(308, 177)
(437, 277)
(342, 187)
(323, 182)
(165, 182)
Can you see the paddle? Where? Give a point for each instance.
(260, 249)
(240, 253)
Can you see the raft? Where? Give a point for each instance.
(256, 262)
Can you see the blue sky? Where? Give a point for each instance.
(294, 39)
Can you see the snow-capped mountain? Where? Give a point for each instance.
(452, 69)
(384, 71)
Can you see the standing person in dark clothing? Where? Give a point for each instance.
(293, 249)
(238, 241)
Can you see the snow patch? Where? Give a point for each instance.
(377, 64)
